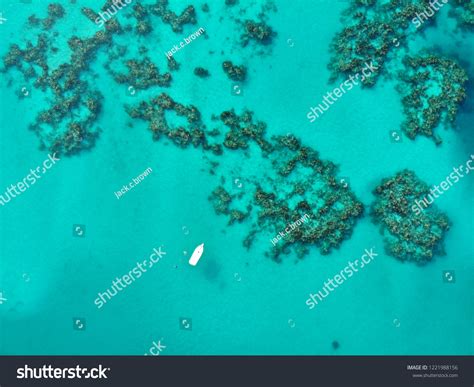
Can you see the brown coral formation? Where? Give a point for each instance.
(408, 236)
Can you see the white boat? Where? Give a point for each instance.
(196, 255)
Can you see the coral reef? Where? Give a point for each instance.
(89, 13)
(143, 26)
(173, 65)
(408, 236)
(70, 81)
(70, 131)
(69, 124)
(305, 184)
(221, 200)
(79, 133)
(201, 72)
(154, 112)
(142, 75)
(55, 12)
(260, 32)
(372, 29)
(433, 88)
(188, 16)
(234, 72)
(297, 184)
(242, 130)
(463, 11)
(57, 127)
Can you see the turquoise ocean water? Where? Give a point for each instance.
(240, 301)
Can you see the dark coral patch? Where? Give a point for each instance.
(433, 89)
(408, 236)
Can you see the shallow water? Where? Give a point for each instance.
(240, 301)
